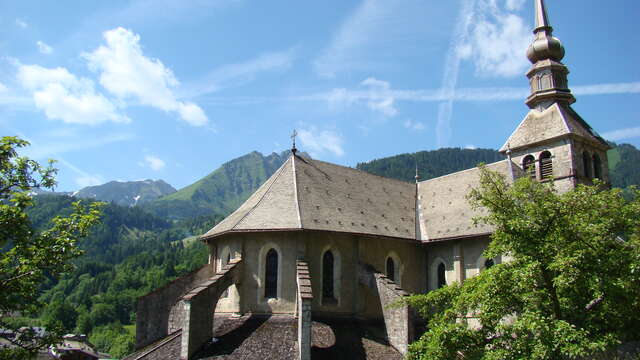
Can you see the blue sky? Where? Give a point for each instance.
(129, 90)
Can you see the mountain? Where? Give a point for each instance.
(430, 164)
(223, 190)
(128, 193)
(624, 165)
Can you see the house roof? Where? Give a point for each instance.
(555, 121)
(309, 194)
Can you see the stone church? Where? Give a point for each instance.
(319, 239)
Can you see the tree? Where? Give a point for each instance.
(28, 256)
(570, 286)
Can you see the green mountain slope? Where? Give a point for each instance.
(222, 191)
(624, 165)
(430, 163)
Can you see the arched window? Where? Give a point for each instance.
(597, 166)
(391, 269)
(271, 275)
(546, 166)
(586, 164)
(488, 263)
(327, 276)
(442, 280)
(529, 166)
(225, 294)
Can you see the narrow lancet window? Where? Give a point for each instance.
(271, 275)
(546, 166)
(597, 167)
(586, 164)
(327, 276)
(529, 166)
(442, 280)
(391, 269)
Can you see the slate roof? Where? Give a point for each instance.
(443, 208)
(309, 194)
(553, 122)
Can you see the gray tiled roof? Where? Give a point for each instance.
(315, 195)
(443, 207)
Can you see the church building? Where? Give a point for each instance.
(324, 240)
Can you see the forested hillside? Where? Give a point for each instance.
(430, 163)
(128, 255)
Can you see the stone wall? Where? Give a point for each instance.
(198, 306)
(305, 297)
(154, 309)
(398, 319)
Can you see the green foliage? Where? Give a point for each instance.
(114, 339)
(570, 285)
(28, 255)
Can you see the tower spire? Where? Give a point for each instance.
(548, 75)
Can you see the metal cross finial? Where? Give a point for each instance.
(293, 139)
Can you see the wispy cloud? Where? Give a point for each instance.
(153, 162)
(130, 75)
(377, 97)
(368, 34)
(318, 142)
(239, 73)
(414, 125)
(63, 96)
(622, 134)
(3, 88)
(53, 149)
(21, 23)
(44, 48)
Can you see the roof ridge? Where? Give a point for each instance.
(295, 189)
(363, 172)
(275, 178)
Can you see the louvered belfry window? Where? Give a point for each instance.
(271, 275)
(586, 164)
(529, 166)
(546, 165)
(597, 166)
(327, 276)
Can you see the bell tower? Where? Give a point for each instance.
(553, 143)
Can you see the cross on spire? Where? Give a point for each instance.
(293, 139)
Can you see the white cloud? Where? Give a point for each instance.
(89, 180)
(3, 87)
(21, 23)
(44, 48)
(498, 40)
(317, 142)
(128, 74)
(240, 73)
(514, 5)
(414, 125)
(622, 134)
(380, 97)
(153, 162)
(61, 95)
